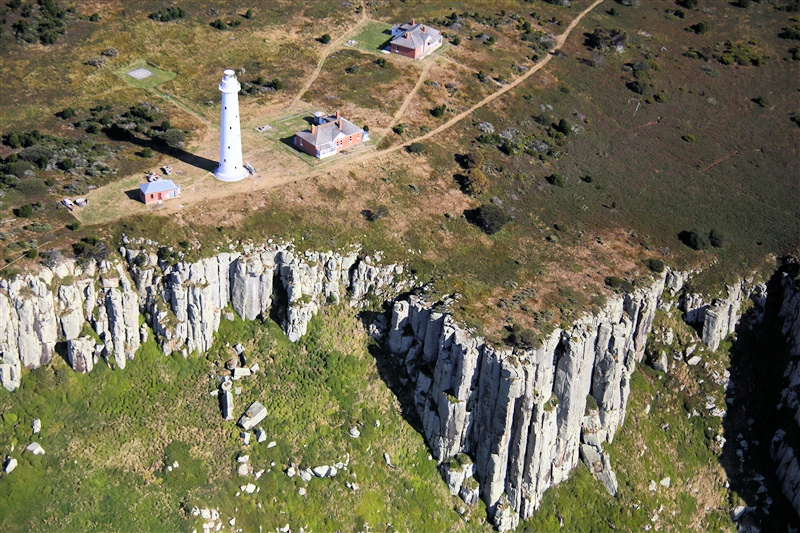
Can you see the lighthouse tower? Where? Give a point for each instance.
(230, 135)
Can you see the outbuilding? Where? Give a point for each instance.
(159, 190)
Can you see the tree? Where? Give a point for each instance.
(492, 218)
(248, 14)
(26, 211)
(564, 127)
(438, 111)
(147, 152)
(476, 183)
(326, 38)
(219, 24)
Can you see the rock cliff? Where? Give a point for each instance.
(95, 308)
(39, 310)
(519, 414)
(785, 450)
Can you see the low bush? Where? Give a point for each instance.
(492, 218)
(618, 284)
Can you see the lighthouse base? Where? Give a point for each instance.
(227, 175)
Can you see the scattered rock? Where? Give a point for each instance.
(245, 437)
(271, 444)
(387, 459)
(35, 448)
(306, 475)
(354, 432)
(250, 488)
(261, 435)
(665, 482)
(301, 491)
(253, 416)
(37, 426)
(653, 486)
(11, 464)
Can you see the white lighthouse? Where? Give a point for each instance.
(230, 135)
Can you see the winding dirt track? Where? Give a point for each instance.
(560, 40)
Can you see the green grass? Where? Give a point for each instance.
(373, 37)
(157, 78)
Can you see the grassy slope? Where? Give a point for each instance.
(109, 435)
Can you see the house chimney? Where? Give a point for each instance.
(338, 116)
(407, 35)
(413, 22)
(339, 123)
(313, 129)
(423, 29)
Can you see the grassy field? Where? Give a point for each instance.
(373, 37)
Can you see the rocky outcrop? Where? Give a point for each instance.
(37, 310)
(184, 301)
(519, 414)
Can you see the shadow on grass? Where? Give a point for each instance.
(759, 357)
(390, 369)
(203, 163)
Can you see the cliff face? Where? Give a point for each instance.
(785, 450)
(38, 310)
(182, 302)
(520, 414)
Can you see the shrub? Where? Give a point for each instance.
(219, 24)
(438, 111)
(94, 17)
(520, 337)
(717, 239)
(701, 28)
(166, 15)
(637, 86)
(398, 128)
(26, 211)
(473, 159)
(696, 240)
(66, 113)
(147, 152)
(174, 138)
(352, 69)
(689, 138)
(761, 101)
(248, 14)
(75, 226)
(66, 164)
(32, 253)
(564, 127)
(618, 284)
(37, 154)
(492, 218)
(326, 38)
(655, 264)
(688, 4)
(456, 41)
(416, 148)
(381, 61)
(110, 52)
(476, 182)
(555, 179)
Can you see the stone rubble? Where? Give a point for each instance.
(254, 415)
